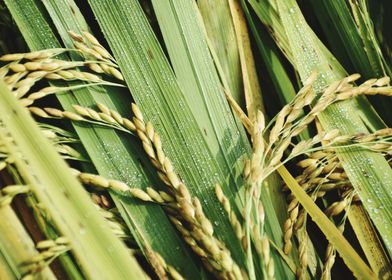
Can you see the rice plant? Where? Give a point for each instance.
(226, 139)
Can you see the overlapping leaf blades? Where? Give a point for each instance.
(113, 155)
(155, 89)
(205, 142)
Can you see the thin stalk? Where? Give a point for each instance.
(222, 43)
(334, 236)
(252, 90)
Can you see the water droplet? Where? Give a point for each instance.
(110, 249)
(82, 230)
(292, 10)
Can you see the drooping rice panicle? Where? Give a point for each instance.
(189, 208)
(285, 128)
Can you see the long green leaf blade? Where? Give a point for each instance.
(220, 32)
(349, 255)
(197, 77)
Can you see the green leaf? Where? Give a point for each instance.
(198, 79)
